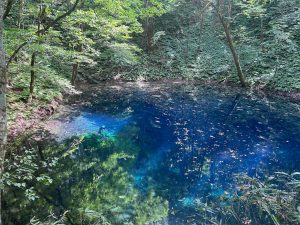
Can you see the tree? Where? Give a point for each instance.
(40, 18)
(3, 107)
(8, 8)
(41, 32)
(225, 19)
(79, 33)
(149, 10)
(5, 8)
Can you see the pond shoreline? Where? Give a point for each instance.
(55, 107)
(293, 95)
(40, 113)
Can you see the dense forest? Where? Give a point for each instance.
(52, 49)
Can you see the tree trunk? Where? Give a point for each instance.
(74, 73)
(203, 5)
(149, 34)
(3, 115)
(9, 4)
(148, 29)
(33, 56)
(261, 33)
(233, 51)
(20, 12)
(32, 77)
(201, 24)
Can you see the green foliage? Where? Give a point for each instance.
(91, 175)
(105, 38)
(188, 46)
(152, 210)
(49, 84)
(254, 8)
(273, 201)
(153, 8)
(51, 220)
(119, 56)
(24, 170)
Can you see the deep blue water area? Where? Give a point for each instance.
(194, 139)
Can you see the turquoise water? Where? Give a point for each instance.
(193, 139)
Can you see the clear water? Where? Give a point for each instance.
(194, 138)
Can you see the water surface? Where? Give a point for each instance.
(193, 139)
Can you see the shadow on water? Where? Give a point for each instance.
(185, 143)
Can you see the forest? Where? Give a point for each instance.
(149, 112)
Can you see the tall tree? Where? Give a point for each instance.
(3, 115)
(8, 6)
(149, 10)
(40, 33)
(220, 7)
(41, 15)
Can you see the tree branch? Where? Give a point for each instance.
(59, 18)
(15, 53)
(8, 8)
(42, 31)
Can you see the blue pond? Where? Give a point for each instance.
(194, 138)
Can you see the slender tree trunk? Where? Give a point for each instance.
(201, 24)
(202, 10)
(219, 8)
(20, 12)
(233, 51)
(32, 77)
(3, 115)
(149, 34)
(261, 33)
(148, 29)
(74, 73)
(33, 56)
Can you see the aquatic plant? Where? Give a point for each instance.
(90, 180)
(275, 200)
(50, 220)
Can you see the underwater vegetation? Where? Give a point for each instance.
(159, 155)
(87, 181)
(84, 181)
(272, 201)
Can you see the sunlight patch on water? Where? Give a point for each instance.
(87, 123)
